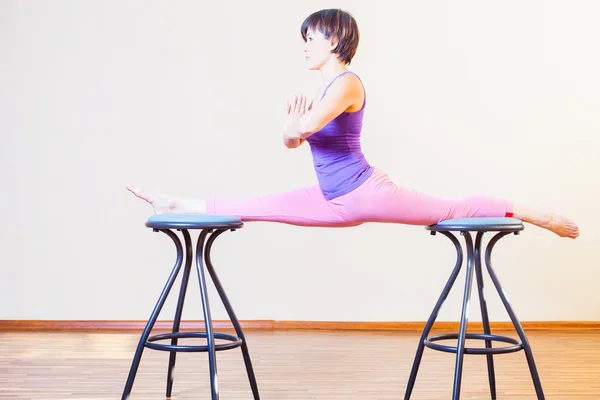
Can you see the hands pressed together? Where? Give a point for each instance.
(293, 110)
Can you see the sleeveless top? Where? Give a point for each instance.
(338, 160)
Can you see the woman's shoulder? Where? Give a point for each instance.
(346, 84)
(347, 79)
(349, 85)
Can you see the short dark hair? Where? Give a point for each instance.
(338, 23)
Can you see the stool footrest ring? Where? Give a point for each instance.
(470, 350)
(234, 342)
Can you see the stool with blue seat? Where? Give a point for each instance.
(501, 227)
(211, 227)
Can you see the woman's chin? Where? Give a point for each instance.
(311, 66)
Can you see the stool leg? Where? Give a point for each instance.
(177, 321)
(434, 314)
(526, 346)
(484, 314)
(214, 384)
(460, 348)
(161, 301)
(232, 316)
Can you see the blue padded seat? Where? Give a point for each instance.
(479, 224)
(193, 221)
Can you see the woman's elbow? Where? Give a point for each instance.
(291, 143)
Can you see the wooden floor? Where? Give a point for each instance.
(291, 365)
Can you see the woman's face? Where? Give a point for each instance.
(317, 50)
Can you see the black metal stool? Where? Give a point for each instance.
(211, 226)
(503, 227)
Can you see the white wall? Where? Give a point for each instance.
(463, 97)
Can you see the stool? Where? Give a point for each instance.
(503, 227)
(210, 226)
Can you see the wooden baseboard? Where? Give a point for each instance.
(99, 325)
(106, 326)
(441, 325)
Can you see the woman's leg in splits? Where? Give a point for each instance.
(381, 200)
(302, 207)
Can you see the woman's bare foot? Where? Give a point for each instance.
(166, 204)
(562, 226)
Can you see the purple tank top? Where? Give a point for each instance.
(337, 155)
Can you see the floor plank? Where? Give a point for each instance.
(291, 365)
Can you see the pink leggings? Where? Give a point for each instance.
(378, 199)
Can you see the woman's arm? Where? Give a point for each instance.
(344, 93)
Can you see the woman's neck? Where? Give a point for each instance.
(331, 69)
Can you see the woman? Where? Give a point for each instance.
(350, 191)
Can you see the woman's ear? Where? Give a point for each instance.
(333, 42)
